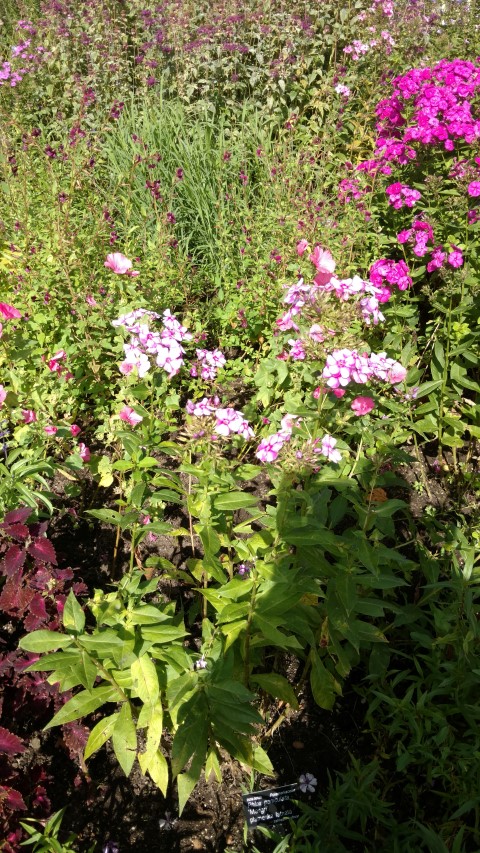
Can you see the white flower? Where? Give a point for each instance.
(307, 782)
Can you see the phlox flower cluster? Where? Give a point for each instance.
(227, 421)
(430, 106)
(208, 363)
(344, 366)
(401, 195)
(270, 447)
(164, 346)
(8, 75)
(387, 272)
(418, 236)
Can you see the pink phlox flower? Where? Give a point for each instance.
(316, 333)
(50, 430)
(297, 295)
(90, 300)
(297, 349)
(302, 245)
(75, 430)
(54, 362)
(437, 258)
(29, 416)
(84, 452)
(130, 320)
(370, 311)
(209, 362)
(270, 447)
(130, 416)
(455, 258)
(288, 422)
(9, 312)
(119, 264)
(173, 328)
(473, 189)
(135, 359)
(230, 421)
(203, 408)
(286, 322)
(362, 405)
(328, 449)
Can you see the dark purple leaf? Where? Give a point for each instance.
(13, 560)
(12, 798)
(10, 744)
(43, 550)
(17, 531)
(17, 516)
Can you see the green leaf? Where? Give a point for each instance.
(84, 703)
(44, 641)
(277, 686)
(163, 633)
(261, 761)
(100, 734)
(101, 644)
(157, 768)
(73, 615)
(234, 500)
(212, 765)
(124, 739)
(322, 683)
(109, 516)
(145, 679)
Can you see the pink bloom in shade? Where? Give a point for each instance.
(3, 395)
(324, 264)
(29, 416)
(455, 258)
(90, 300)
(301, 246)
(339, 392)
(50, 430)
(128, 415)
(75, 430)
(9, 312)
(362, 405)
(120, 264)
(319, 390)
(84, 452)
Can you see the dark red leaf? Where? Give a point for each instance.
(10, 744)
(43, 550)
(12, 798)
(17, 516)
(13, 560)
(17, 531)
(15, 597)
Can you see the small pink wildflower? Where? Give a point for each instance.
(29, 416)
(75, 430)
(455, 258)
(119, 264)
(324, 263)
(9, 312)
(3, 395)
(50, 430)
(362, 405)
(302, 245)
(84, 452)
(129, 415)
(474, 189)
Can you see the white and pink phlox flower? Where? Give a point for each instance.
(297, 349)
(270, 447)
(328, 449)
(362, 405)
(286, 322)
(130, 416)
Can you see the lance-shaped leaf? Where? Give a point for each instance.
(73, 615)
(44, 641)
(157, 768)
(100, 734)
(124, 739)
(145, 679)
(277, 686)
(84, 703)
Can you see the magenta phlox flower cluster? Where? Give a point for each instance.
(419, 235)
(208, 363)
(430, 106)
(8, 75)
(391, 272)
(228, 421)
(348, 189)
(345, 366)
(164, 346)
(401, 195)
(297, 349)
